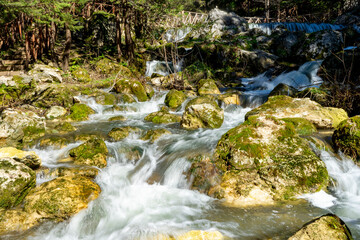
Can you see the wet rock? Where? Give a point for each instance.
(81, 74)
(174, 98)
(117, 118)
(131, 87)
(202, 112)
(30, 159)
(105, 98)
(153, 135)
(263, 161)
(283, 89)
(126, 98)
(346, 137)
(192, 235)
(88, 172)
(302, 126)
(16, 180)
(80, 112)
(92, 153)
(229, 98)
(325, 227)
(65, 127)
(13, 121)
(149, 91)
(56, 142)
(55, 112)
(287, 107)
(132, 154)
(163, 117)
(45, 73)
(207, 86)
(117, 134)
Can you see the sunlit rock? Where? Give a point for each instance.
(29, 158)
(93, 153)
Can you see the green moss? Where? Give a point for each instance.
(174, 98)
(302, 126)
(153, 135)
(65, 127)
(118, 134)
(207, 86)
(132, 87)
(105, 99)
(80, 74)
(80, 112)
(90, 152)
(117, 118)
(31, 133)
(162, 117)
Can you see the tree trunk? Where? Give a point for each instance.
(118, 37)
(267, 10)
(66, 54)
(52, 43)
(27, 50)
(128, 39)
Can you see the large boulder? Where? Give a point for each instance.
(131, 87)
(80, 112)
(202, 112)
(287, 107)
(93, 153)
(263, 161)
(286, 44)
(174, 98)
(325, 227)
(13, 121)
(16, 180)
(58, 199)
(30, 159)
(207, 86)
(163, 117)
(225, 23)
(346, 137)
(46, 73)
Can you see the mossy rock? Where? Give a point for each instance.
(174, 98)
(80, 74)
(328, 226)
(286, 107)
(283, 89)
(207, 86)
(62, 197)
(117, 118)
(229, 98)
(117, 134)
(125, 98)
(202, 112)
(302, 126)
(316, 94)
(264, 160)
(131, 87)
(80, 112)
(56, 112)
(92, 153)
(29, 158)
(149, 91)
(31, 134)
(162, 117)
(56, 142)
(65, 127)
(346, 137)
(105, 98)
(88, 172)
(16, 180)
(153, 135)
(108, 67)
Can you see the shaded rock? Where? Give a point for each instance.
(30, 159)
(316, 94)
(80, 112)
(13, 121)
(16, 180)
(117, 118)
(259, 60)
(346, 137)
(153, 135)
(55, 112)
(283, 89)
(174, 98)
(263, 160)
(225, 23)
(45, 73)
(118, 134)
(202, 112)
(207, 86)
(286, 44)
(93, 153)
(287, 107)
(325, 227)
(31, 135)
(131, 87)
(163, 117)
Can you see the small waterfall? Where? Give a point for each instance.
(177, 35)
(161, 68)
(268, 28)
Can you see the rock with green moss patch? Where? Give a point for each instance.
(80, 112)
(80, 74)
(207, 86)
(65, 127)
(29, 158)
(131, 86)
(302, 126)
(117, 118)
(174, 98)
(92, 153)
(316, 94)
(283, 89)
(108, 67)
(125, 98)
(287, 107)
(202, 112)
(346, 137)
(55, 112)
(105, 98)
(16, 180)
(155, 134)
(31, 134)
(263, 161)
(163, 117)
(117, 134)
(56, 142)
(328, 226)
(149, 91)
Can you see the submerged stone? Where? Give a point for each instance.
(93, 153)
(117, 118)
(16, 180)
(202, 112)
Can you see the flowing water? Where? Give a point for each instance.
(150, 195)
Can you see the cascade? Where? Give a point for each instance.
(162, 68)
(177, 35)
